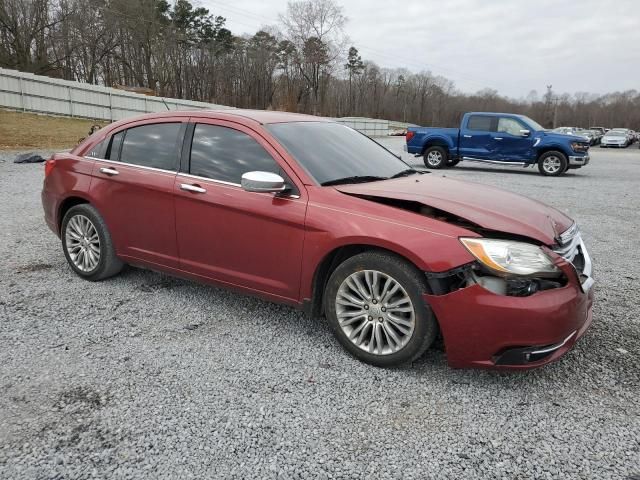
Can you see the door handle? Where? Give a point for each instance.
(467, 136)
(497, 138)
(192, 188)
(109, 171)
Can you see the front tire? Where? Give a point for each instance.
(435, 157)
(87, 244)
(374, 304)
(553, 164)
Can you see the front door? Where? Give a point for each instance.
(509, 143)
(249, 240)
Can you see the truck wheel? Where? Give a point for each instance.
(435, 157)
(552, 164)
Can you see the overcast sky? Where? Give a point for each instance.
(514, 46)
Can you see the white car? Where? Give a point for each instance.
(615, 138)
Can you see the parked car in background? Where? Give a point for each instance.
(304, 211)
(602, 130)
(589, 135)
(627, 132)
(597, 134)
(615, 138)
(565, 130)
(499, 138)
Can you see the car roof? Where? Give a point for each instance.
(497, 114)
(239, 115)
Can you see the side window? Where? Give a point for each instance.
(98, 150)
(152, 145)
(224, 154)
(480, 122)
(510, 126)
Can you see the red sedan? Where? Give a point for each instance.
(310, 213)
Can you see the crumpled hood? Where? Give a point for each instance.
(488, 207)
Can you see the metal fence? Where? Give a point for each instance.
(39, 94)
(35, 93)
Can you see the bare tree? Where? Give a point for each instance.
(174, 48)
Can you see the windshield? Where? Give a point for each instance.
(532, 123)
(330, 152)
(616, 134)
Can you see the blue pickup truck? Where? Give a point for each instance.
(499, 138)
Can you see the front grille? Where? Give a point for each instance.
(572, 249)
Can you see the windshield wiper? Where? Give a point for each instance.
(406, 173)
(354, 179)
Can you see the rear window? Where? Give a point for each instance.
(154, 145)
(481, 122)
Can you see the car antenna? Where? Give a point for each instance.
(165, 103)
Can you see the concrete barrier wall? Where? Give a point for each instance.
(35, 93)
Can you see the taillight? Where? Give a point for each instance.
(410, 135)
(49, 166)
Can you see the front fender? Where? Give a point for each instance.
(429, 244)
(554, 145)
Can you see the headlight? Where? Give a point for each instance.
(507, 258)
(579, 147)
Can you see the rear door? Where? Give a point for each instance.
(476, 137)
(250, 240)
(509, 144)
(133, 190)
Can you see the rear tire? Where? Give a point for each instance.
(87, 244)
(553, 164)
(382, 329)
(435, 157)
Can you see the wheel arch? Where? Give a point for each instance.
(551, 148)
(437, 142)
(314, 305)
(70, 201)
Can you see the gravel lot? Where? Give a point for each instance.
(146, 376)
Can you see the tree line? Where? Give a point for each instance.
(302, 64)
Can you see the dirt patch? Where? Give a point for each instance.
(22, 131)
(34, 267)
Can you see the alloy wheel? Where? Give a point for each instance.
(552, 164)
(83, 243)
(375, 312)
(434, 158)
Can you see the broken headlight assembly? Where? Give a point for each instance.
(506, 257)
(512, 268)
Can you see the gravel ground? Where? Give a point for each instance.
(145, 376)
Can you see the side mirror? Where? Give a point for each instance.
(263, 182)
(525, 133)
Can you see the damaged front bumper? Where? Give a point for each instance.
(487, 329)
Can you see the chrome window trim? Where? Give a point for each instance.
(114, 162)
(207, 179)
(230, 184)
